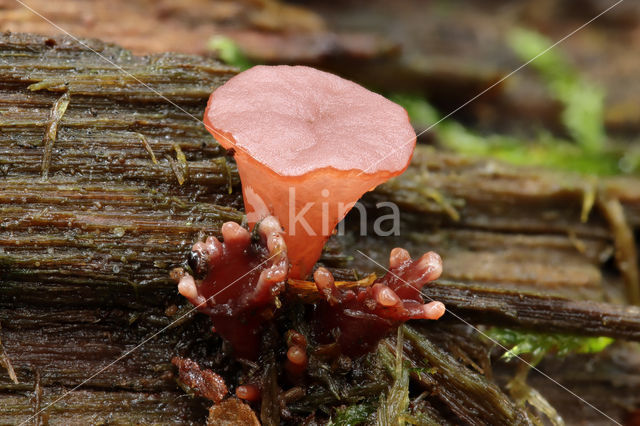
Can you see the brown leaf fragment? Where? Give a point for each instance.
(203, 383)
(147, 147)
(232, 412)
(179, 166)
(6, 363)
(51, 131)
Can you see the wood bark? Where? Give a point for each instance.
(107, 177)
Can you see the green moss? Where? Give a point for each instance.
(420, 111)
(583, 114)
(393, 408)
(229, 52)
(538, 344)
(544, 150)
(353, 415)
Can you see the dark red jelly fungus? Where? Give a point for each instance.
(248, 392)
(297, 359)
(361, 316)
(308, 144)
(241, 282)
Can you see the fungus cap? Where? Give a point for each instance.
(303, 136)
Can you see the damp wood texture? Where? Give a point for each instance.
(108, 176)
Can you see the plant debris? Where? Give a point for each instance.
(6, 362)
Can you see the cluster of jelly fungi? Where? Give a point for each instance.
(361, 316)
(241, 281)
(297, 359)
(300, 135)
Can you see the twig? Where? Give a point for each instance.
(481, 305)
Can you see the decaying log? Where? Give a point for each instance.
(99, 201)
(133, 179)
(91, 407)
(93, 214)
(477, 304)
(490, 220)
(552, 314)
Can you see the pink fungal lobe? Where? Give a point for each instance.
(362, 316)
(241, 282)
(248, 392)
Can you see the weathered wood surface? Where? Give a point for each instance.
(516, 227)
(85, 252)
(517, 309)
(104, 227)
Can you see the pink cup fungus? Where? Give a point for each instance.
(308, 145)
